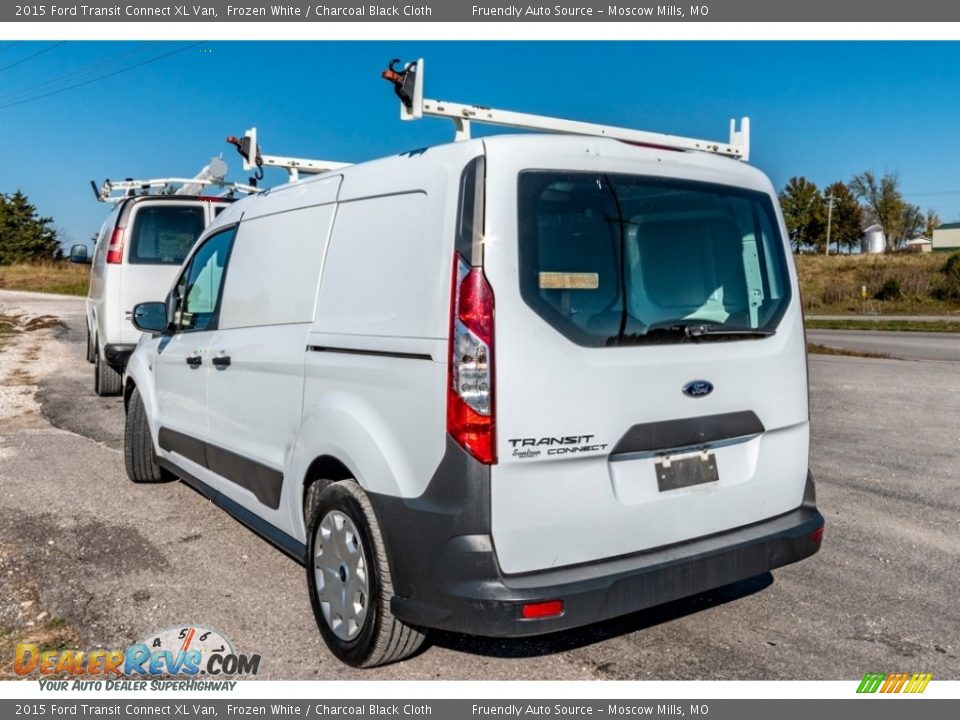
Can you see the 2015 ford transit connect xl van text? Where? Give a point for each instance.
(502, 387)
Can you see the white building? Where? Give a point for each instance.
(947, 236)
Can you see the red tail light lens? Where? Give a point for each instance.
(550, 608)
(115, 248)
(817, 535)
(470, 389)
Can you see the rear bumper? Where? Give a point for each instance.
(466, 592)
(117, 354)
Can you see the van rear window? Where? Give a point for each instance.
(611, 259)
(164, 234)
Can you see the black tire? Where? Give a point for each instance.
(139, 454)
(381, 638)
(91, 348)
(106, 380)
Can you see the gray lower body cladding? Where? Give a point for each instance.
(446, 575)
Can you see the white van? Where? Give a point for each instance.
(137, 253)
(503, 387)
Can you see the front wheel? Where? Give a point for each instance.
(139, 454)
(349, 580)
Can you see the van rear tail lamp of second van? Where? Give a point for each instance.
(115, 248)
(470, 392)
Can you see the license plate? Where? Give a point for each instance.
(675, 473)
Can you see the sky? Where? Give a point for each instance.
(823, 110)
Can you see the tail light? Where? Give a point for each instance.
(537, 610)
(470, 389)
(115, 248)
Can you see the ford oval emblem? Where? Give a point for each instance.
(697, 389)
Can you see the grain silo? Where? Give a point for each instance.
(873, 240)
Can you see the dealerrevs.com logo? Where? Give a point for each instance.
(201, 658)
(894, 682)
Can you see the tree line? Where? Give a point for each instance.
(25, 236)
(866, 200)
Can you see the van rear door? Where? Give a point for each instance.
(160, 234)
(650, 360)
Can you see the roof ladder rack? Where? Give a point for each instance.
(213, 174)
(408, 86)
(249, 150)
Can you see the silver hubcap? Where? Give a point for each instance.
(340, 569)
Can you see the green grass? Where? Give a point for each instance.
(818, 349)
(63, 278)
(895, 325)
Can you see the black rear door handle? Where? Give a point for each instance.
(221, 361)
(194, 361)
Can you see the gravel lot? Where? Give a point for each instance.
(93, 560)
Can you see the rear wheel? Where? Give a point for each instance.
(91, 348)
(139, 454)
(349, 580)
(106, 380)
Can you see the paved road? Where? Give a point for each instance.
(880, 318)
(116, 561)
(936, 346)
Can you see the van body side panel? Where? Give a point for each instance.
(383, 416)
(376, 359)
(95, 292)
(558, 495)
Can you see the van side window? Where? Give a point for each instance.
(200, 286)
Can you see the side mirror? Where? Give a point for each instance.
(79, 254)
(150, 317)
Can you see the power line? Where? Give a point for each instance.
(100, 77)
(48, 48)
(82, 71)
(7, 46)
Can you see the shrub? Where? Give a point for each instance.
(890, 290)
(950, 289)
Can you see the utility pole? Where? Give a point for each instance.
(829, 223)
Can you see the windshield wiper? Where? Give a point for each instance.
(672, 331)
(699, 331)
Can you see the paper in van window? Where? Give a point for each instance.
(569, 281)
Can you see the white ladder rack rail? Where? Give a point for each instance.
(249, 150)
(408, 84)
(167, 186)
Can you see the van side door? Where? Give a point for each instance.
(182, 364)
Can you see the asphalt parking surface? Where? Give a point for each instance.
(114, 561)
(907, 345)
